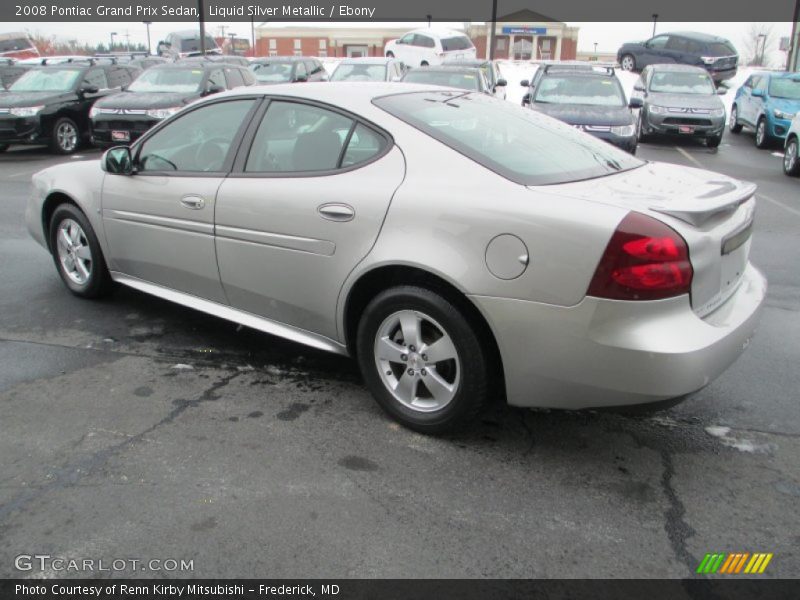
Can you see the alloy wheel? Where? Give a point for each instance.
(627, 63)
(417, 361)
(761, 132)
(734, 118)
(790, 157)
(67, 136)
(74, 253)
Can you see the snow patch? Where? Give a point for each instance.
(742, 445)
(183, 367)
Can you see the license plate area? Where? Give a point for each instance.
(121, 136)
(685, 129)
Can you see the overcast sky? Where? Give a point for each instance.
(608, 36)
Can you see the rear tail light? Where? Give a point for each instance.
(644, 260)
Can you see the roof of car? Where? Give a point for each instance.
(678, 67)
(466, 62)
(367, 60)
(208, 66)
(446, 68)
(696, 35)
(437, 32)
(272, 59)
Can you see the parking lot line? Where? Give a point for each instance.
(779, 203)
(689, 157)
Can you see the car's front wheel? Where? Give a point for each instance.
(641, 136)
(791, 160)
(628, 63)
(422, 360)
(713, 142)
(734, 124)
(762, 139)
(66, 136)
(77, 253)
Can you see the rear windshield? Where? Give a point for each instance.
(168, 80)
(460, 42)
(519, 144)
(465, 81)
(784, 87)
(359, 72)
(46, 80)
(679, 82)
(274, 72)
(589, 91)
(721, 49)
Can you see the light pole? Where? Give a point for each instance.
(147, 24)
(252, 36)
(492, 32)
(595, 50)
(201, 11)
(111, 47)
(655, 18)
(233, 43)
(429, 17)
(762, 43)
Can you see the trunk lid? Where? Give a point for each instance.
(712, 212)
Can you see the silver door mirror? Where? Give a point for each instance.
(118, 161)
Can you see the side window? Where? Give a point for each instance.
(295, 137)
(96, 77)
(749, 82)
(697, 48)
(234, 78)
(198, 141)
(364, 144)
(424, 41)
(216, 77)
(300, 70)
(762, 83)
(678, 44)
(658, 43)
(248, 77)
(407, 39)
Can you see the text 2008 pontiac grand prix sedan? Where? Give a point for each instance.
(457, 246)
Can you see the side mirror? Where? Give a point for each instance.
(214, 89)
(90, 89)
(526, 100)
(501, 83)
(635, 103)
(525, 83)
(301, 78)
(757, 93)
(118, 161)
(721, 91)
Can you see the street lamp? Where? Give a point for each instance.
(147, 24)
(762, 42)
(233, 46)
(595, 50)
(655, 18)
(113, 33)
(429, 17)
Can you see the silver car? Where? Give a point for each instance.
(459, 247)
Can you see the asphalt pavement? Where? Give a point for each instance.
(131, 428)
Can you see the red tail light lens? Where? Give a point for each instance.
(644, 260)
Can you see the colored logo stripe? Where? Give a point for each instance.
(734, 563)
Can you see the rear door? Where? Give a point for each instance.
(300, 210)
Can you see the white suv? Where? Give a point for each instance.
(791, 153)
(425, 47)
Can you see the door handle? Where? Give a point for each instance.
(193, 202)
(337, 212)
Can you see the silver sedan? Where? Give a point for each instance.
(458, 247)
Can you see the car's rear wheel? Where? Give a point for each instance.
(641, 136)
(791, 160)
(66, 136)
(422, 360)
(628, 63)
(734, 124)
(762, 139)
(713, 142)
(77, 254)
(424, 63)
(390, 54)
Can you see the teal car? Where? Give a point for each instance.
(767, 102)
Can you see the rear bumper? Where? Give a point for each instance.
(615, 353)
(722, 74)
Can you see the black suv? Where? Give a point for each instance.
(50, 105)
(715, 54)
(588, 98)
(156, 94)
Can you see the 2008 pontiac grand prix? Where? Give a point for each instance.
(457, 246)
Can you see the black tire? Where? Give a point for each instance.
(713, 142)
(98, 282)
(390, 54)
(791, 158)
(473, 368)
(764, 141)
(424, 63)
(3, 147)
(58, 136)
(622, 62)
(734, 124)
(641, 136)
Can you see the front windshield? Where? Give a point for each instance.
(168, 80)
(273, 72)
(359, 72)
(519, 144)
(785, 87)
(681, 82)
(465, 81)
(46, 80)
(572, 89)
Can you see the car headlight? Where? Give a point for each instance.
(163, 113)
(25, 111)
(624, 130)
(93, 112)
(779, 114)
(657, 110)
(717, 112)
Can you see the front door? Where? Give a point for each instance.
(654, 52)
(301, 211)
(159, 222)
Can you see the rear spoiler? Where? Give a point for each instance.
(699, 209)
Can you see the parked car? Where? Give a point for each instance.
(17, 45)
(679, 100)
(146, 62)
(715, 54)
(791, 154)
(9, 73)
(767, 102)
(180, 44)
(158, 93)
(466, 78)
(542, 68)
(369, 69)
(591, 100)
(328, 214)
(423, 47)
(288, 69)
(491, 70)
(50, 105)
(226, 58)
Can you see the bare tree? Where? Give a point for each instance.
(758, 43)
